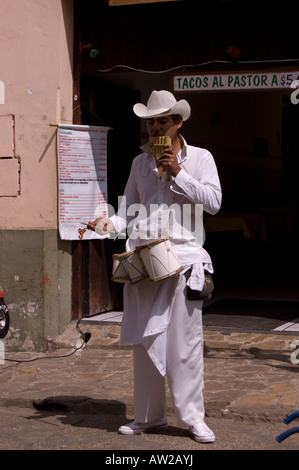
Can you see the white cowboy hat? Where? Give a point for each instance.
(162, 103)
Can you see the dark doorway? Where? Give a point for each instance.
(290, 152)
(105, 104)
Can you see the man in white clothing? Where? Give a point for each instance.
(159, 319)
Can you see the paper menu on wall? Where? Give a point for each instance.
(82, 179)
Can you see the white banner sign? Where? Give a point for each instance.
(82, 173)
(234, 81)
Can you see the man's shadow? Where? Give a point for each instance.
(83, 411)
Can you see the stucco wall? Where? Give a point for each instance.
(35, 275)
(36, 44)
(36, 69)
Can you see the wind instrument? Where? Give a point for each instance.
(157, 146)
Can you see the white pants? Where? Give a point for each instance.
(184, 371)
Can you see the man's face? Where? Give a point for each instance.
(164, 125)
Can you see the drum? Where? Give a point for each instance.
(128, 267)
(159, 259)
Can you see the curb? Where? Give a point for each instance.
(105, 335)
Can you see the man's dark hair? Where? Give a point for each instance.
(177, 118)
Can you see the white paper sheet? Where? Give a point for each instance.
(82, 179)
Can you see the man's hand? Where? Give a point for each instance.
(92, 225)
(169, 162)
(101, 226)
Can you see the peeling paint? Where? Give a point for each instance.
(32, 307)
(25, 310)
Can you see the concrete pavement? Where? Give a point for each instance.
(248, 376)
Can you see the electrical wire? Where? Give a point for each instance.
(85, 337)
(46, 357)
(197, 65)
(160, 71)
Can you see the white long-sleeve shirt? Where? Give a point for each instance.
(153, 207)
(165, 208)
